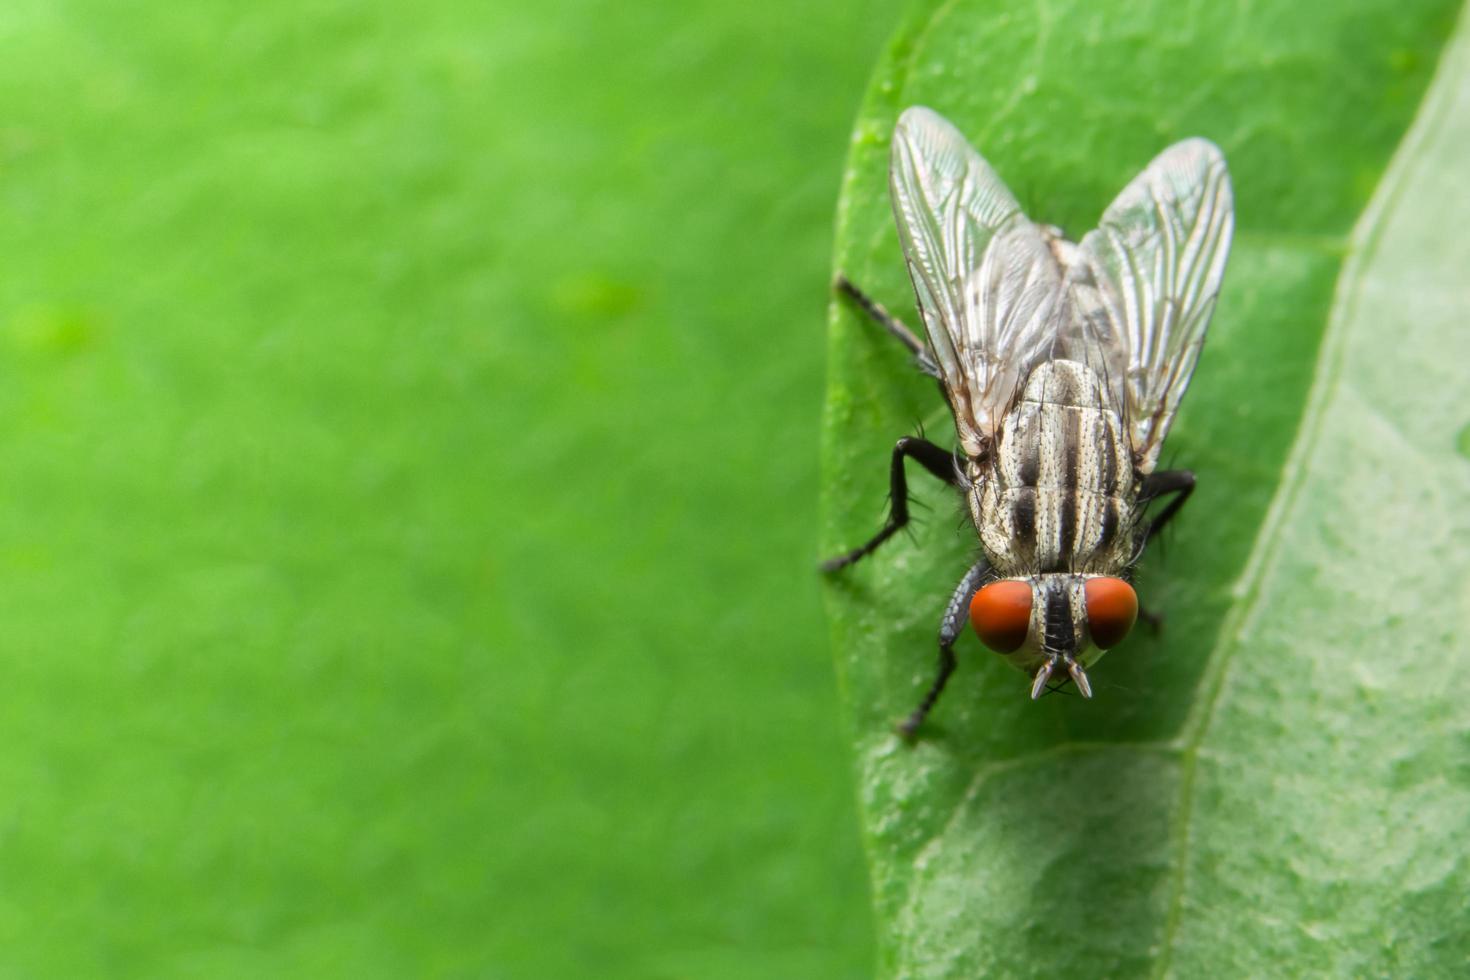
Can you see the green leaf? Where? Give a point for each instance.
(1276, 782)
(407, 495)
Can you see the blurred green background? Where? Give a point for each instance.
(408, 429)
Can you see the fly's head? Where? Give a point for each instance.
(1054, 624)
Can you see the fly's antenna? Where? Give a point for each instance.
(1043, 674)
(1047, 671)
(1079, 677)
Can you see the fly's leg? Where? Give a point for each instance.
(940, 462)
(949, 630)
(1181, 484)
(891, 323)
(1178, 482)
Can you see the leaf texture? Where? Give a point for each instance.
(1276, 783)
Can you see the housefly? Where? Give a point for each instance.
(1063, 364)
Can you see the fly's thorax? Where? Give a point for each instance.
(1058, 493)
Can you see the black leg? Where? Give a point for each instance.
(955, 615)
(1178, 482)
(940, 462)
(891, 323)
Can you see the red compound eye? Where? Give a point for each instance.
(1001, 615)
(1112, 606)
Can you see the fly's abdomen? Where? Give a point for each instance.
(1059, 493)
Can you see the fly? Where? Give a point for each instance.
(1063, 364)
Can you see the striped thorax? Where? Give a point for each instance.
(1054, 504)
(1057, 493)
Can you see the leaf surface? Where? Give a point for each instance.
(1279, 776)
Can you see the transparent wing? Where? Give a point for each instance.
(1145, 281)
(988, 285)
